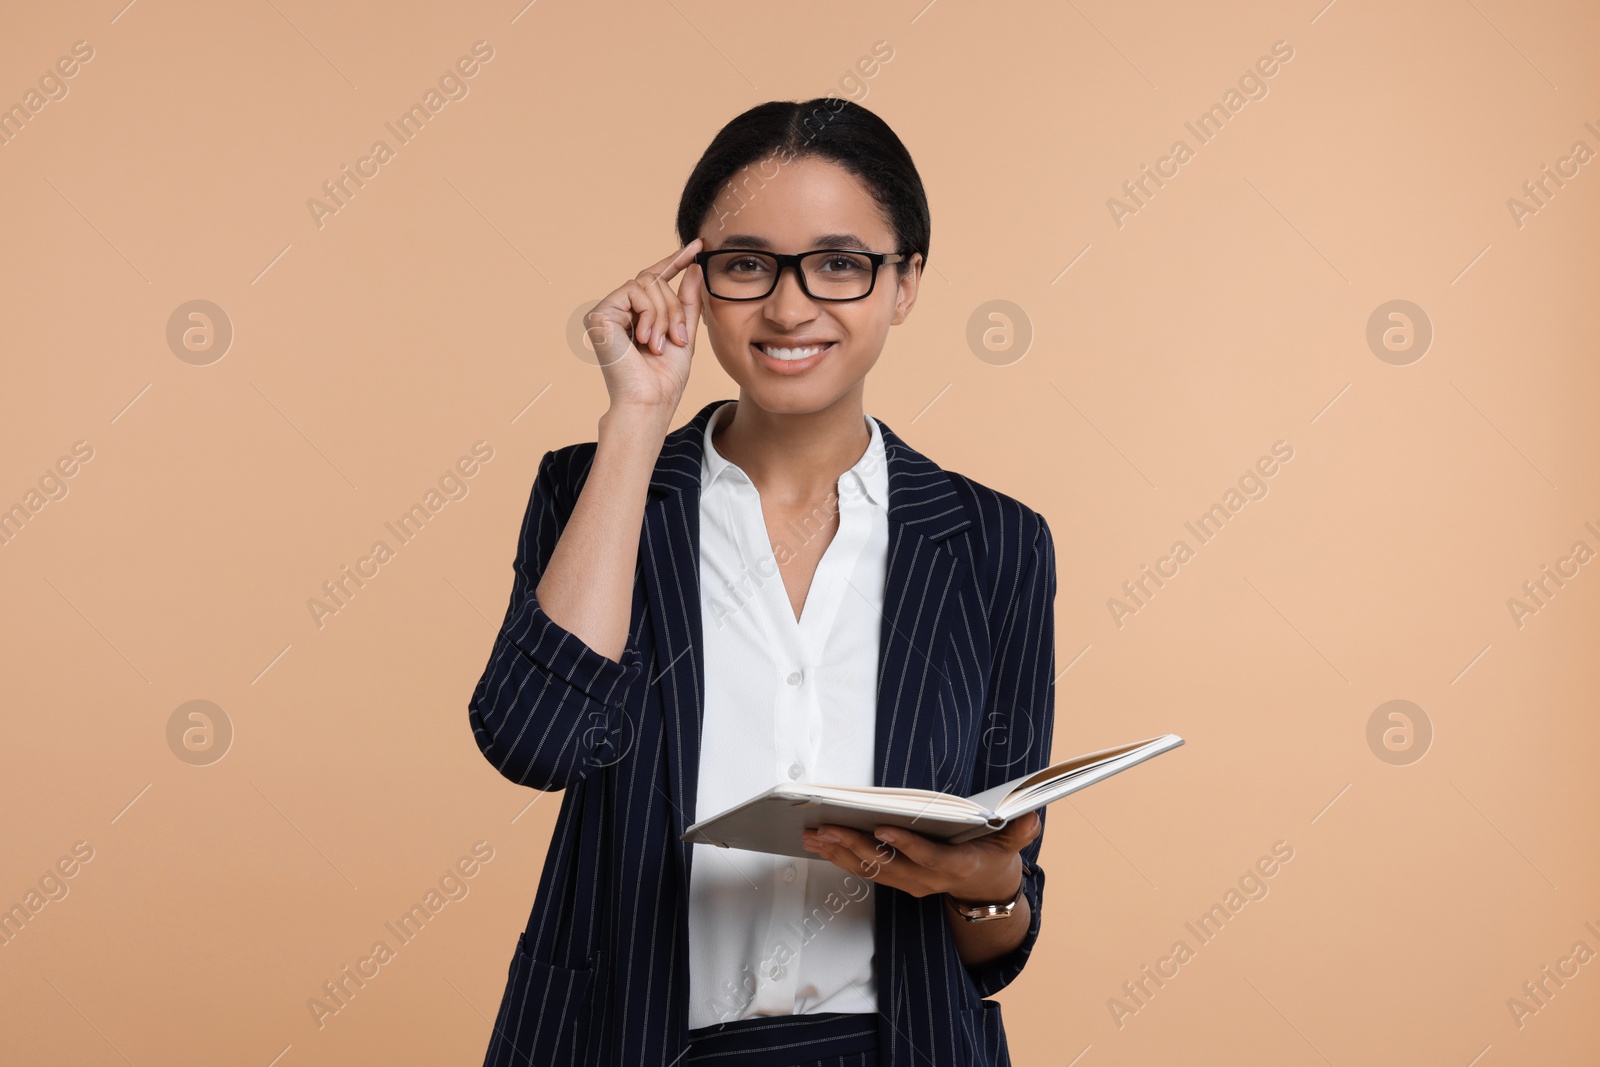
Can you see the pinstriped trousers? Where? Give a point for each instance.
(818, 1039)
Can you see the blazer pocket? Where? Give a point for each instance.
(986, 1036)
(544, 1014)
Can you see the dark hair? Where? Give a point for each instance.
(828, 127)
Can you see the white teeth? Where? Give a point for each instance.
(792, 353)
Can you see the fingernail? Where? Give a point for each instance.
(884, 835)
(828, 835)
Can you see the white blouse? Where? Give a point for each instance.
(784, 700)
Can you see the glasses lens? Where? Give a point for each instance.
(829, 275)
(740, 275)
(838, 275)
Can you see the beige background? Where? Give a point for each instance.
(433, 311)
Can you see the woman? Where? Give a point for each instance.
(653, 666)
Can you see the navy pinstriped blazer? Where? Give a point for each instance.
(965, 701)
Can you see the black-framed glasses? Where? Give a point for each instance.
(833, 274)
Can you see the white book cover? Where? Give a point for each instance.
(771, 821)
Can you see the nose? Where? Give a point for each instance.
(788, 303)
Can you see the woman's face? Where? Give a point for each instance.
(809, 203)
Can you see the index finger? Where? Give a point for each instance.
(668, 268)
(920, 849)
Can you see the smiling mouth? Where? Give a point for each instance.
(789, 355)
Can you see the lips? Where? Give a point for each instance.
(791, 358)
(789, 352)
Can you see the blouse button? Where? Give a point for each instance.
(788, 874)
(795, 770)
(794, 678)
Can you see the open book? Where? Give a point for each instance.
(772, 821)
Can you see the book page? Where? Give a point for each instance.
(1014, 797)
(903, 801)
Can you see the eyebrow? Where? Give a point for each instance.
(827, 240)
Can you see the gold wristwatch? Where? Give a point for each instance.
(981, 913)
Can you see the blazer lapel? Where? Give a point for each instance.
(931, 598)
(670, 548)
(925, 585)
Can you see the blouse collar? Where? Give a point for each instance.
(869, 476)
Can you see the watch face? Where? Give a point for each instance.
(977, 913)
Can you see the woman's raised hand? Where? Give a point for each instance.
(643, 333)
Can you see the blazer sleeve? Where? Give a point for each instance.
(548, 708)
(1019, 717)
